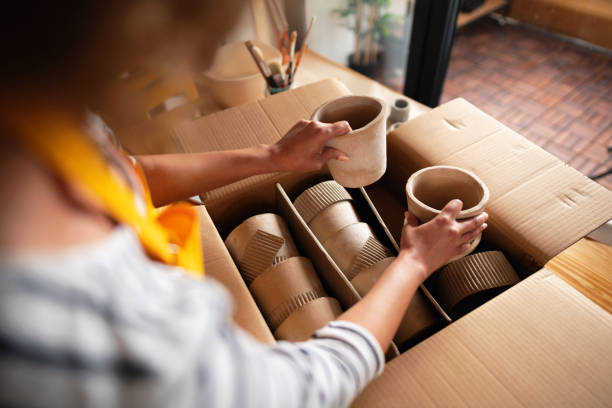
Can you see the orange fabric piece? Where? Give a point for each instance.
(170, 234)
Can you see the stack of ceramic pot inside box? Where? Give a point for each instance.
(283, 283)
(328, 210)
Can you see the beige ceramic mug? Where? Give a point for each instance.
(365, 144)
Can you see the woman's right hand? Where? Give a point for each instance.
(432, 244)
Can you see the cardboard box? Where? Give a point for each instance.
(539, 343)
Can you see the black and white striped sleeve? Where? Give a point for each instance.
(327, 371)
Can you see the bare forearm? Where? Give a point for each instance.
(173, 177)
(383, 307)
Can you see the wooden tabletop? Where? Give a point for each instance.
(586, 265)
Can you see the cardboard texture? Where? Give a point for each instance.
(263, 121)
(473, 279)
(540, 343)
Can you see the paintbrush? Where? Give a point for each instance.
(261, 64)
(304, 45)
(291, 56)
(277, 74)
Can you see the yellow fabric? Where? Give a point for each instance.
(170, 234)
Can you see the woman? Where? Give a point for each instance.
(96, 308)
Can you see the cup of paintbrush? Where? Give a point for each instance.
(264, 69)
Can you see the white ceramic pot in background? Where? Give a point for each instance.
(366, 144)
(233, 78)
(430, 189)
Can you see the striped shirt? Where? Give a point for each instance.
(102, 325)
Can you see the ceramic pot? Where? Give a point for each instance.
(364, 281)
(365, 144)
(238, 240)
(481, 274)
(318, 197)
(354, 248)
(430, 189)
(326, 208)
(333, 219)
(400, 111)
(233, 78)
(285, 287)
(419, 316)
(346, 244)
(302, 323)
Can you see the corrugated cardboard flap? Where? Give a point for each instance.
(540, 343)
(264, 121)
(538, 206)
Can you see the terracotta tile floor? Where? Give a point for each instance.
(559, 95)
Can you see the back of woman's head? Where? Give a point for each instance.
(63, 43)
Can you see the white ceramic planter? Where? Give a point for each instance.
(430, 189)
(366, 144)
(400, 111)
(233, 78)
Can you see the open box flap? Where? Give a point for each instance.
(539, 205)
(264, 121)
(540, 343)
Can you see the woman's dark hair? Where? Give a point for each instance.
(42, 38)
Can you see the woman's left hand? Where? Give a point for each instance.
(303, 148)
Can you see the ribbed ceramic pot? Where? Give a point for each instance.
(430, 189)
(333, 219)
(326, 207)
(302, 323)
(346, 244)
(239, 239)
(285, 287)
(365, 144)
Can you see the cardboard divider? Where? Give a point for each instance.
(332, 278)
(395, 244)
(329, 270)
(228, 214)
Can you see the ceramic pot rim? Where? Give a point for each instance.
(464, 213)
(370, 124)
